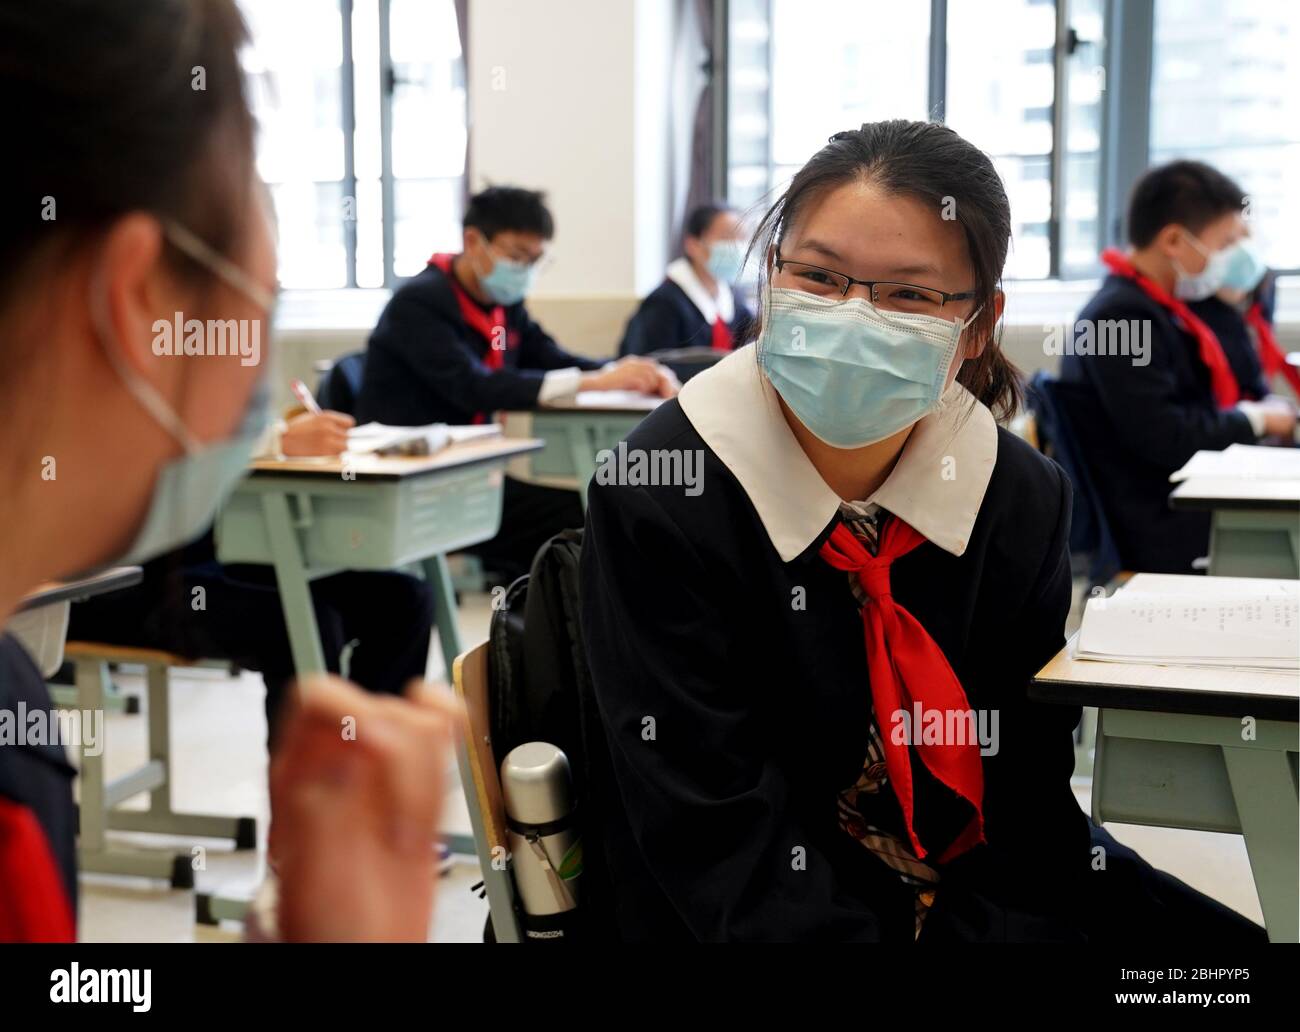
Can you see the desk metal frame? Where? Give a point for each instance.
(574, 438)
(1248, 537)
(310, 525)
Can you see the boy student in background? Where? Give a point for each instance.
(1137, 424)
(870, 542)
(456, 344)
(160, 210)
(388, 614)
(695, 307)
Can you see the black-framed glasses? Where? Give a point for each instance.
(885, 294)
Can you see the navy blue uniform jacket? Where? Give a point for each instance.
(425, 365)
(1135, 425)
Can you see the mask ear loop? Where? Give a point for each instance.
(217, 263)
(144, 392)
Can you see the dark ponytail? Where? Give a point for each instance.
(932, 163)
(121, 106)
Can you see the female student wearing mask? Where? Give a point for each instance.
(695, 307)
(870, 554)
(136, 199)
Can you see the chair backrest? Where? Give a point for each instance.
(1089, 529)
(483, 790)
(686, 362)
(339, 388)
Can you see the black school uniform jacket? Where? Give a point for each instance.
(730, 672)
(668, 319)
(425, 365)
(1238, 343)
(1135, 425)
(37, 775)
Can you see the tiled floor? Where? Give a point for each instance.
(218, 732)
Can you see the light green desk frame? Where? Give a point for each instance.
(311, 522)
(1181, 770)
(1249, 537)
(573, 438)
(1171, 769)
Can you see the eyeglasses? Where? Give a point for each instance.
(885, 294)
(540, 263)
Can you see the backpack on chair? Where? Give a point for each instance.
(540, 689)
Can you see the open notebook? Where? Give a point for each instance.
(1249, 622)
(379, 439)
(1243, 462)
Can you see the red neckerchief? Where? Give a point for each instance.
(1223, 384)
(34, 906)
(721, 335)
(906, 667)
(492, 328)
(1270, 355)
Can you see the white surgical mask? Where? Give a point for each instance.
(851, 373)
(1198, 286)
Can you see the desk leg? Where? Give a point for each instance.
(582, 450)
(295, 586)
(438, 577)
(1264, 788)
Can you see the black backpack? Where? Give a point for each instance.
(539, 689)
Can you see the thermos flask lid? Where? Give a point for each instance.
(535, 782)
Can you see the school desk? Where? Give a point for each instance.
(309, 518)
(1210, 749)
(1254, 524)
(575, 433)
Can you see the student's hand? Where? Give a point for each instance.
(316, 433)
(633, 373)
(669, 385)
(1279, 417)
(357, 785)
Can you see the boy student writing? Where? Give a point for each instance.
(869, 541)
(1138, 423)
(456, 344)
(695, 307)
(160, 210)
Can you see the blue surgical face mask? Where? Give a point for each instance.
(1243, 267)
(726, 260)
(188, 490)
(852, 374)
(1198, 286)
(509, 281)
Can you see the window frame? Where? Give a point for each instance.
(1125, 128)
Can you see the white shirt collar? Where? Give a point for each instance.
(682, 272)
(937, 484)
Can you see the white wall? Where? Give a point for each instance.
(554, 105)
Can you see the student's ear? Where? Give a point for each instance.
(990, 317)
(130, 289)
(1170, 241)
(695, 249)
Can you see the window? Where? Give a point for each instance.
(1225, 89)
(1000, 90)
(362, 127)
(804, 69)
(1027, 81)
